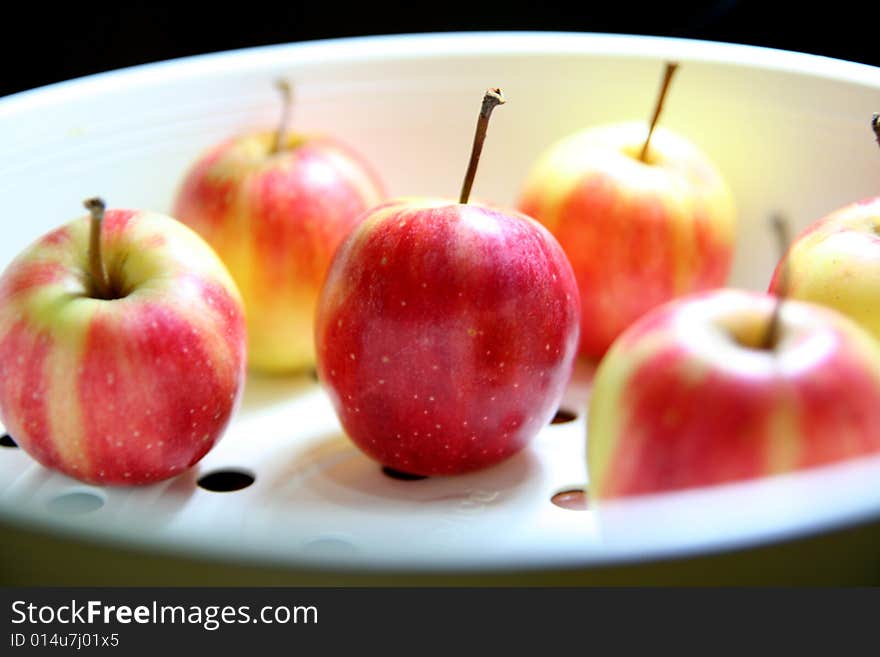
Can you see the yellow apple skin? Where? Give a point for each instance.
(276, 219)
(836, 263)
(637, 233)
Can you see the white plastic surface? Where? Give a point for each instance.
(789, 131)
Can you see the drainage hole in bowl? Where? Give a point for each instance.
(226, 481)
(7, 441)
(401, 476)
(74, 504)
(563, 415)
(572, 499)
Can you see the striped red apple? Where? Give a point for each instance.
(446, 332)
(693, 394)
(122, 347)
(643, 216)
(274, 206)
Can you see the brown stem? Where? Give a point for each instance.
(97, 271)
(491, 100)
(875, 126)
(286, 103)
(671, 68)
(780, 228)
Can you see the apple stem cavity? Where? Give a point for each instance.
(780, 228)
(671, 68)
(286, 103)
(491, 100)
(875, 126)
(97, 271)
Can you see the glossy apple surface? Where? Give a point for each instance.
(637, 233)
(275, 219)
(446, 334)
(836, 263)
(128, 390)
(687, 398)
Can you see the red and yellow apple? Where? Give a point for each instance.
(126, 380)
(275, 208)
(836, 263)
(638, 231)
(446, 332)
(692, 395)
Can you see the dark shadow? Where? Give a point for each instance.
(227, 480)
(400, 475)
(563, 416)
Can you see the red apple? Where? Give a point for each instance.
(836, 261)
(122, 348)
(275, 205)
(643, 216)
(446, 332)
(693, 394)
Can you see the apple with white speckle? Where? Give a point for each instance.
(446, 332)
(122, 347)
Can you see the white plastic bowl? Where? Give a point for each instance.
(789, 131)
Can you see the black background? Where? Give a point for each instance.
(48, 42)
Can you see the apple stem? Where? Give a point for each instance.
(491, 100)
(97, 271)
(671, 68)
(875, 126)
(286, 102)
(780, 228)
